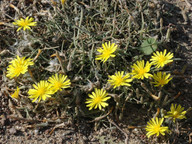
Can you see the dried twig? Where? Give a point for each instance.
(23, 119)
(60, 61)
(138, 127)
(157, 113)
(39, 52)
(126, 136)
(101, 117)
(188, 4)
(57, 126)
(15, 8)
(147, 90)
(31, 74)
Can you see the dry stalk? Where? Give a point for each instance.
(126, 136)
(57, 126)
(101, 117)
(38, 54)
(147, 90)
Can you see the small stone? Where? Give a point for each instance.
(36, 131)
(3, 120)
(12, 130)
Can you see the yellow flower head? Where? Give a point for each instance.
(25, 23)
(106, 52)
(119, 79)
(140, 70)
(63, 2)
(97, 99)
(161, 79)
(41, 91)
(18, 66)
(58, 82)
(176, 112)
(161, 58)
(16, 93)
(154, 127)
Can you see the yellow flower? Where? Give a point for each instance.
(18, 66)
(119, 79)
(97, 99)
(176, 112)
(58, 82)
(63, 2)
(106, 52)
(25, 23)
(41, 91)
(154, 127)
(161, 79)
(16, 93)
(161, 58)
(140, 70)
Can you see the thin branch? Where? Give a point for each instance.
(101, 117)
(126, 136)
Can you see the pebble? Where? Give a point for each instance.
(3, 120)
(36, 131)
(12, 130)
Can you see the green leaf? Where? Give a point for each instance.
(148, 46)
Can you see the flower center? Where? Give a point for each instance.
(18, 70)
(175, 113)
(41, 91)
(162, 81)
(141, 71)
(119, 80)
(97, 100)
(162, 59)
(58, 85)
(107, 53)
(157, 128)
(24, 23)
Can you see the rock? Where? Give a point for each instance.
(12, 130)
